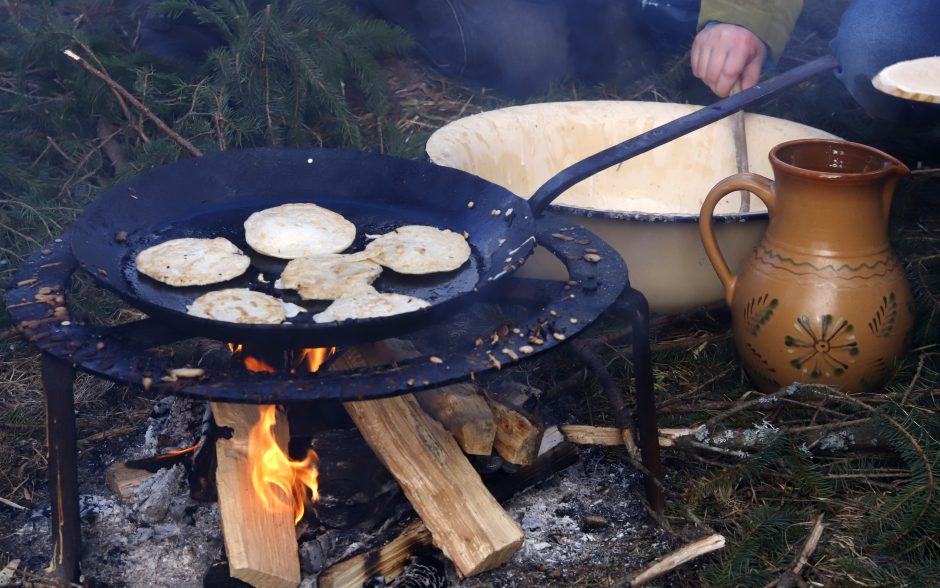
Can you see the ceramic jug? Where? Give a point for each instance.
(822, 299)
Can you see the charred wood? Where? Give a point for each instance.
(356, 491)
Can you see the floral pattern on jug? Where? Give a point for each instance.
(823, 347)
(822, 299)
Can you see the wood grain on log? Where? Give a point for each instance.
(466, 523)
(459, 408)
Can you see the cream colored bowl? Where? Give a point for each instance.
(646, 207)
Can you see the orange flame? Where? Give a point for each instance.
(309, 359)
(313, 358)
(280, 482)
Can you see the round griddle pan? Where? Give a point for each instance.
(212, 195)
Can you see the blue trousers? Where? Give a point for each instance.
(876, 33)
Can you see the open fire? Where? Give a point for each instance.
(283, 484)
(304, 360)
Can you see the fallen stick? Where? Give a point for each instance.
(830, 437)
(739, 133)
(675, 559)
(612, 436)
(140, 106)
(791, 577)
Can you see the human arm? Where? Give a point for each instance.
(724, 54)
(735, 38)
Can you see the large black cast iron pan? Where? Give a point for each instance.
(212, 195)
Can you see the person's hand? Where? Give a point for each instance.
(723, 54)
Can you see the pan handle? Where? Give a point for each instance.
(600, 161)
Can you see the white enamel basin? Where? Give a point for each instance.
(647, 207)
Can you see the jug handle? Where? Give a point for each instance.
(763, 188)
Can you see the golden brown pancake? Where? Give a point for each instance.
(369, 305)
(239, 305)
(297, 230)
(419, 249)
(328, 277)
(192, 261)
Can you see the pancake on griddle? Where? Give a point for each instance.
(192, 261)
(328, 277)
(370, 304)
(297, 230)
(240, 305)
(419, 249)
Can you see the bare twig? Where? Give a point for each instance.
(767, 399)
(910, 386)
(675, 559)
(135, 103)
(739, 133)
(792, 577)
(696, 390)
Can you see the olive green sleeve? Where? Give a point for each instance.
(771, 20)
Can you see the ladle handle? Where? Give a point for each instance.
(760, 186)
(598, 162)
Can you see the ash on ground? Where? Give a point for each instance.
(586, 526)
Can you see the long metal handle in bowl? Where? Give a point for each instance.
(598, 162)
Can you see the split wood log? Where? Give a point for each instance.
(463, 412)
(518, 431)
(466, 523)
(460, 408)
(261, 546)
(390, 559)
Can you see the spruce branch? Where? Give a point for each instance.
(134, 102)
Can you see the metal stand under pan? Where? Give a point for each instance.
(36, 302)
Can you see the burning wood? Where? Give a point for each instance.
(272, 468)
(259, 512)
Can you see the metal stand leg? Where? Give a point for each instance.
(635, 303)
(61, 440)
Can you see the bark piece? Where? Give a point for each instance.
(677, 558)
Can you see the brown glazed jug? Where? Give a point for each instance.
(822, 299)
